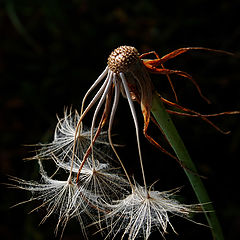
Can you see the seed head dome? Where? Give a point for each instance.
(122, 58)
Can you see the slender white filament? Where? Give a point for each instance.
(101, 101)
(112, 115)
(132, 108)
(100, 78)
(93, 101)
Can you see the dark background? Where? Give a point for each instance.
(51, 52)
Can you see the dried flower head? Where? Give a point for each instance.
(93, 189)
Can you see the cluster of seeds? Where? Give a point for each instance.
(121, 59)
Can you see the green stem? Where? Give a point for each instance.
(167, 126)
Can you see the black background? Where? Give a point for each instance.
(52, 51)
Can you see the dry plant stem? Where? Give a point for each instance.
(167, 126)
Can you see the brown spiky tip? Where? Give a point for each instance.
(122, 58)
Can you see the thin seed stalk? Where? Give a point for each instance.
(168, 128)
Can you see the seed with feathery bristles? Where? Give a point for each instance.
(61, 147)
(59, 197)
(142, 212)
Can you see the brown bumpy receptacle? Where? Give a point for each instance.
(121, 59)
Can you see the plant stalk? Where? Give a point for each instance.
(168, 128)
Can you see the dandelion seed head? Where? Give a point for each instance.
(122, 58)
(93, 187)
